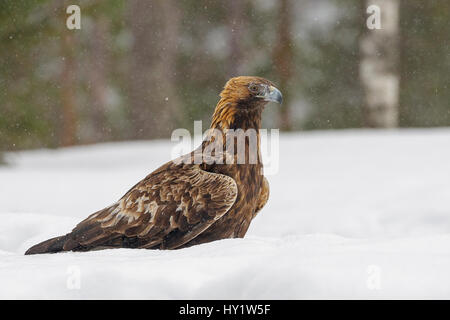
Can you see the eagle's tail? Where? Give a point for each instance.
(49, 246)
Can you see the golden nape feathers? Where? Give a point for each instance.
(184, 203)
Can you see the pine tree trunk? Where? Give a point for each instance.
(154, 105)
(68, 84)
(235, 17)
(379, 67)
(98, 61)
(283, 60)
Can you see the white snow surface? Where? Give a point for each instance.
(354, 214)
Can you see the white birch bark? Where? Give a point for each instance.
(379, 70)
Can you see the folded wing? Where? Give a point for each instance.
(167, 209)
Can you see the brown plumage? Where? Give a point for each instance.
(182, 204)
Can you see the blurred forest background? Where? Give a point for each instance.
(140, 69)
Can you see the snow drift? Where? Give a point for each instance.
(352, 214)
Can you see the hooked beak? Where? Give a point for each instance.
(273, 95)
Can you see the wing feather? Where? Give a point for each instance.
(167, 209)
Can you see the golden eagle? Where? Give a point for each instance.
(184, 203)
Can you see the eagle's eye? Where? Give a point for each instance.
(254, 88)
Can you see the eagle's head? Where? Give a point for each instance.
(242, 101)
(251, 91)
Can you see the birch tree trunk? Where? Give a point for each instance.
(379, 66)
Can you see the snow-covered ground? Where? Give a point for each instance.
(352, 214)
